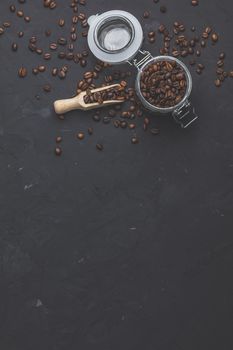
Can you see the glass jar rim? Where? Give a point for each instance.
(167, 109)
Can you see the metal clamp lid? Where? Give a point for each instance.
(185, 115)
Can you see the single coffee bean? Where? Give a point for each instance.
(27, 19)
(20, 13)
(12, 8)
(80, 136)
(90, 131)
(222, 56)
(154, 131)
(47, 87)
(22, 72)
(1, 30)
(7, 24)
(194, 2)
(58, 151)
(14, 47)
(217, 83)
(134, 140)
(99, 147)
(58, 139)
(230, 74)
(214, 37)
(61, 22)
(146, 14)
(61, 74)
(53, 46)
(20, 34)
(35, 71)
(47, 56)
(96, 118)
(163, 9)
(41, 68)
(39, 51)
(54, 71)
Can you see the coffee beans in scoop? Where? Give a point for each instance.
(163, 84)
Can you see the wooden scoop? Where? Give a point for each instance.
(77, 102)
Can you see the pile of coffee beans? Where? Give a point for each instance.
(114, 93)
(163, 84)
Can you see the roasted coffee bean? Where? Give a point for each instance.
(123, 124)
(62, 41)
(96, 118)
(22, 72)
(20, 13)
(230, 74)
(222, 56)
(20, 34)
(61, 22)
(33, 40)
(217, 83)
(146, 14)
(47, 56)
(1, 30)
(48, 32)
(192, 62)
(41, 68)
(53, 46)
(47, 87)
(61, 74)
(151, 40)
(116, 123)
(132, 126)
(6, 24)
(53, 5)
(54, 71)
(134, 140)
(106, 120)
(201, 66)
(198, 53)
(14, 47)
(99, 147)
(12, 8)
(58, 151)
(220, 63)
(154, 131)
(61, 54)
(194, 2)
(80, 135)
(58, 139)
(151, 34)
(27, 19)
(39, 51)
(83, 63)
(199, 71)
(163, 9)
(162, 28)
(214, 37)
(35, 71)
(90, 131)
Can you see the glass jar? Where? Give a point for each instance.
(116, 37)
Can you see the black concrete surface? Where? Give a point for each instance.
(129, 248)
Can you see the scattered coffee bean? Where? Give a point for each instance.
(214, 37)
(14, 47)
(47, 87)
(22, 72)
(163, 9)
(194, 2)
(80, 136)
(90, 131)
(134, 140)
(99, 147)
(58, 151)
(154, 131)
(58, 139)
(217, 82)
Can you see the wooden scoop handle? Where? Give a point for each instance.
(64, 106)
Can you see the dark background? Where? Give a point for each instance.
(129, 248)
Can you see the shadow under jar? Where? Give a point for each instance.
(116, 37)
